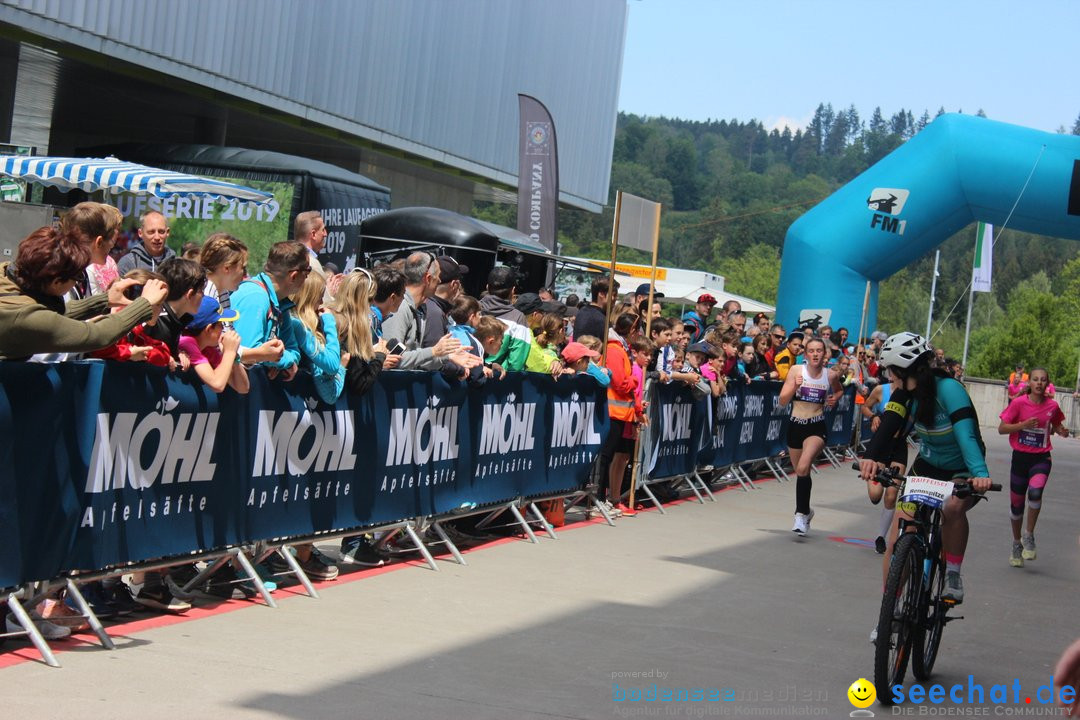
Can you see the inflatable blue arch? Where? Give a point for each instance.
(959, 169)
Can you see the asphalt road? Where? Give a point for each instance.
(720, 596)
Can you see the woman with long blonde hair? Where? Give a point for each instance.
(316, 334)
(352, 308)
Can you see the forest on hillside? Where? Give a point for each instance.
(730, 190)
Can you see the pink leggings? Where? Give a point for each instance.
(1027, 476)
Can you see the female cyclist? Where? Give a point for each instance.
(1028, 421)
(950, 447)
(812, 387)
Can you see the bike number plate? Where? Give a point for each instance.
(927, 491)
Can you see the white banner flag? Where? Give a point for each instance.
(984, 250)
(638, 222)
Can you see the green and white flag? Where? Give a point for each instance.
(984, 247)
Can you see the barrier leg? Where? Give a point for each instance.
(744, 480)
(294, 567)
(656, 503)
(23, 618)
(602, 510)
(205, 574)
(693, 486)
(831, 457)
(749, 480)
(524, 524)
(249, 569)
(705, 486)
(543, 521)
(775, 470)
(411, 532)
(489, 518)
(437, 527)
(84, 608)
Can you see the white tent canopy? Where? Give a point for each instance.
(93, 174)
(680, 286)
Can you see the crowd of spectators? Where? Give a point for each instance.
(64, 298)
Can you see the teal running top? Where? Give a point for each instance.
(952, 441)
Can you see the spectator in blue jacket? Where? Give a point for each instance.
(264, 303)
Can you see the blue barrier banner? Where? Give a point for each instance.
(840, 419)
(679, 427)
(103, 463)
(746, 423)
(751, 424)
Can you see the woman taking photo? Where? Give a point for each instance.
(810, 388)
(33, 315)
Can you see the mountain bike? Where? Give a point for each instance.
(913, 613)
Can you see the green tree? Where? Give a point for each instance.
(1036, 329)
(754, 274)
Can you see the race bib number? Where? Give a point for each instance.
(927, 491)
(811, 394)
(1032, 438)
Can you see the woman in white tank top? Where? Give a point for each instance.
(810, 390)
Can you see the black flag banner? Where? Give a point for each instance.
(538, 172)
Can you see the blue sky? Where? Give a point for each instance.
(775, 60)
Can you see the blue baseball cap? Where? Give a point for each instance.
(210, 312)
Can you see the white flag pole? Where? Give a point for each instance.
(933, 293)
(967, 327)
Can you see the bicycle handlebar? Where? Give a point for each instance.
(890, 477)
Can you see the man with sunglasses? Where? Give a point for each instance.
(776, 341)
(264, 303)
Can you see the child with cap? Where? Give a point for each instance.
(211, 344)
(581, 359)
(698, 356)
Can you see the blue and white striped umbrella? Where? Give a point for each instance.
(93, 174)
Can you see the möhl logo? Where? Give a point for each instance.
(507, 427)
(178, 448)
(422, 435)
(572, 424)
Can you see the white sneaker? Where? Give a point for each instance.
(611, 510)
(873, 636)
(802, 522)
(1028, 541)
(48, 630)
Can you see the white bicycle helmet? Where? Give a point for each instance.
(903, 349)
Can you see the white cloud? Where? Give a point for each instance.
(792, 123)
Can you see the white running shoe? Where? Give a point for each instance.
(802, 523)
(1028, 541)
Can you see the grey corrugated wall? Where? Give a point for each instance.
(438, 78)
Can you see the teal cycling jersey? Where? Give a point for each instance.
(952, 440)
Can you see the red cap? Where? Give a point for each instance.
(574, 351)
(706, 298)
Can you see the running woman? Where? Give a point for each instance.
(810, 388)
(1029, 421)
(950, 446)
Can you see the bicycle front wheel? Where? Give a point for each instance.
(931, 624)
(899, 615)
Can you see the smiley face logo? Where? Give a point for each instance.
(862, 693)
